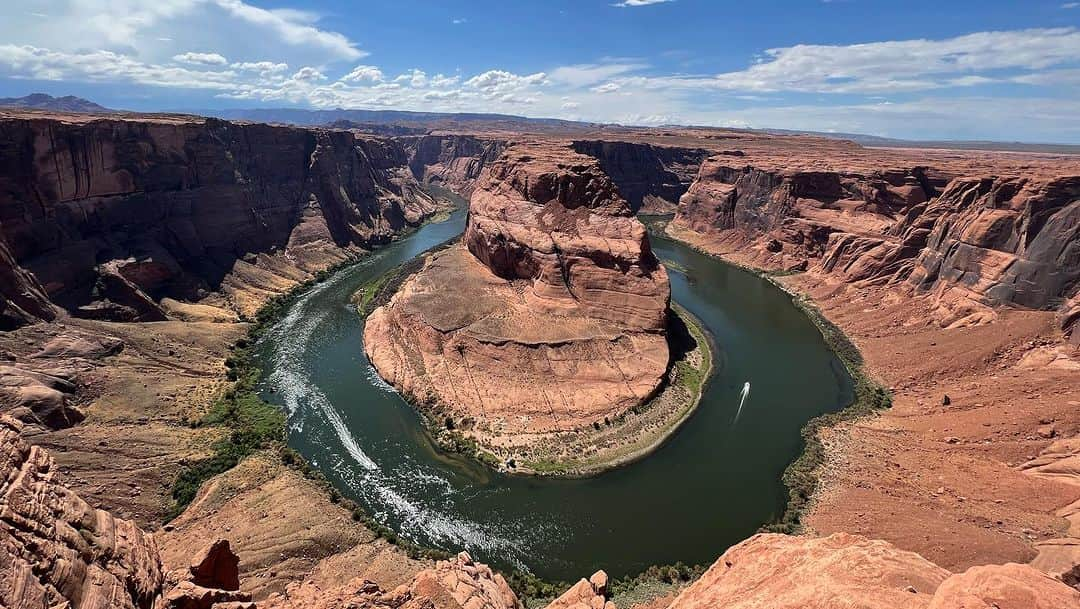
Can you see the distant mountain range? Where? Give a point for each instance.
(888, 142)
(429, 120)
(42, 101)
(400, 122)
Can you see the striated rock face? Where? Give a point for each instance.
(458, 583)
(1000, 241)
(454, 162)
(111, 215)
(22, 299)
(651, 178)
(973, 242)
(555, 288)
(849, 572)
(803, 206)
(56, 549)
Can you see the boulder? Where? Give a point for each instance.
(586, 594)
(1009, 586)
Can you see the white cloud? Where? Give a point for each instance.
(414, 78)
(459, 21)
(504, 86)
(606, 88)
(231, 28)
(1069, 5)
(262, 67)
(892, 66)
(294, 27)
(633, 3)
(308, 74)
(581, 75)
(204, 59)
(364, 73)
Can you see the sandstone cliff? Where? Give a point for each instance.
(972, 238)
(452, 161)
(555, 287)
(651, 178)
(111, 215)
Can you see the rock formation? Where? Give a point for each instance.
(849, 572)
(111, 215)
(651, 178)
(458, 583)
(56, 548)
(452, 161)
(586, 594)
(22, 299)
(554, 287)
(973, 239)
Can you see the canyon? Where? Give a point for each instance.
(136, 250)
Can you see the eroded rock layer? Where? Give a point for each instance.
(549, 317)
(850, 572)
(651, 178)
(54, 548)
(974, 232)
(452, 161)
(110, 214)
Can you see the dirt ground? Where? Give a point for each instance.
(136, 438)
(947, 478)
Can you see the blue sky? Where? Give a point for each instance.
(1006, 70)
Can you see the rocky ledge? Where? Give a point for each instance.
(973, 231)
(550, 316)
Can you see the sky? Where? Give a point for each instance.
(942, 69)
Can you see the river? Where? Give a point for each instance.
(711, 485)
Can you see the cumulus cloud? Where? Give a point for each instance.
(364, 74)
(237, 51)
(900, 65)
(503, 85)
(205, 59)
(308, 74)
(633, 3)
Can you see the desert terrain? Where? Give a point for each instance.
(138, 250)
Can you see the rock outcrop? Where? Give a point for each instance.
(850, 572)
(458, 583)
(454, 162)
(554, 287)
(22, 299)
(56, 549)
(1003, 238)
(586, 594)
(651, 178)
(111, 215)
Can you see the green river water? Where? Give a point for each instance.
(711, 485)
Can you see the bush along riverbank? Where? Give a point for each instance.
(803, 477)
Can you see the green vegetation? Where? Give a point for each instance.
(381, 289)
(803, 475)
